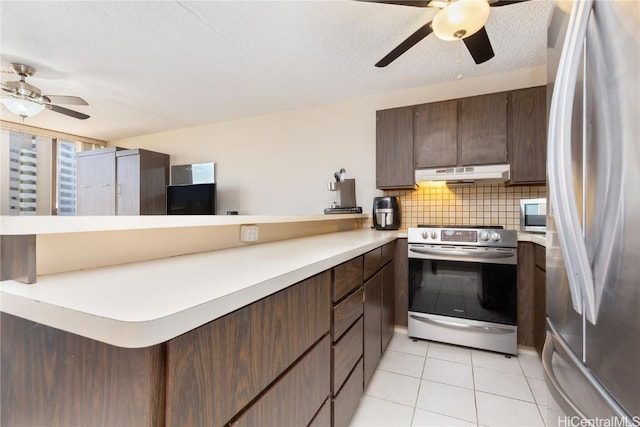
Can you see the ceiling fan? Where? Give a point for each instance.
(456, 19)
(26, 100)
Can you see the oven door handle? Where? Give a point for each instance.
(447, 252)
(456, 325)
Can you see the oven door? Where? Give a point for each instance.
(463, 290)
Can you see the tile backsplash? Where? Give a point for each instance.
(463, 205)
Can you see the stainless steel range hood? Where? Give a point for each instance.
(485, 174)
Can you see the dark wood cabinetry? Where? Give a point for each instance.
(401, 282)
(540, 297)
(372, 325)
(122, 182)
(482, 129)
(214, 371)
(291, 358)
(435, 134)
(497, 128)
(394, 148)
(528, 135)
(531, 295)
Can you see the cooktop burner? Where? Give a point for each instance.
(490, 227)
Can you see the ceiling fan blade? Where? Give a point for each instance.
(498, 3)
(407, 44)
(66, 111)
(414, 3)
(479, 46)
(64, 99)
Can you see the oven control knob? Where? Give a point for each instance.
(425, 235)
(433, 235)
(495, 237)
(484, 236)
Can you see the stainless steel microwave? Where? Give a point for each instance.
(533, 215)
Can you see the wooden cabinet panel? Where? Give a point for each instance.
(154, 178)
(345, 353)
(372, 262)
(539, 309)
(435, 134)
(388, 252)
(394, 148)
(216, 370)
(528, 135)
(401, 282)
(482, 129)
(128, 185)
(323, 417)
(540, 253)
(372, 325)
(296, 397)
(346, 402)
(388, 305)
(52, 377)
(346, 277)
(346, 313)
(96, 182)
(525, 293)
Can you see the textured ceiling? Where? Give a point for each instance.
(152, 66)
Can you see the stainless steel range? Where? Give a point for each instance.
(462, 286)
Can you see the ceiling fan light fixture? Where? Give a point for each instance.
(21, 106)
(461, 19)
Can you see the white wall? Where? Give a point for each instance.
(281, 163)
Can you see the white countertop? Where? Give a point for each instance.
(539, 238)
(146, 303)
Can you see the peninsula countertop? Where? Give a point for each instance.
(146, 303)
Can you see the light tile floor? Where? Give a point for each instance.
(432, 384)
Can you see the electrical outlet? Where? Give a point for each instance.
(249, 233)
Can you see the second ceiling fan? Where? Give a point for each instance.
(456, 20)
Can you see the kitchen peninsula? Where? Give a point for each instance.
(197, 335)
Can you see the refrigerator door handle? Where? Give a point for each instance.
(552, 340)
(554, 385)
(562, 194)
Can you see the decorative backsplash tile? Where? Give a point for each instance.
(463, 205)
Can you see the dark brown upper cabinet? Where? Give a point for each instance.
(482, 129)
(528, 135)
(394, 148)
(435, 134)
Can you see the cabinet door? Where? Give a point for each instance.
(528, 135)
(482, 129)
(435, 134)
(214, 371)
(394, 148)
(388, 305)
(539, 310)
(96, 181)
(372, 325)
(128, 185)
(296, 397)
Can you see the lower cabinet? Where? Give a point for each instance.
(215, 371)
(372, 325)
(531, 295)
(301, 356)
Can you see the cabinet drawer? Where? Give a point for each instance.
(387, 252)
(347, 276)
(372, 263)
(540, 256)
(296, 397)
(346, 313)
(345, 354)
(346, 402)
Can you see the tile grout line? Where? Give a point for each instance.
(415, 403)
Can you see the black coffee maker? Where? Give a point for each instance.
(386, 213)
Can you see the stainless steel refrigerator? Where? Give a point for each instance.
(591, 355)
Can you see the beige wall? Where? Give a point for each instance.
(281, 163)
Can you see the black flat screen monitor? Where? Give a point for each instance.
(191, 199)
